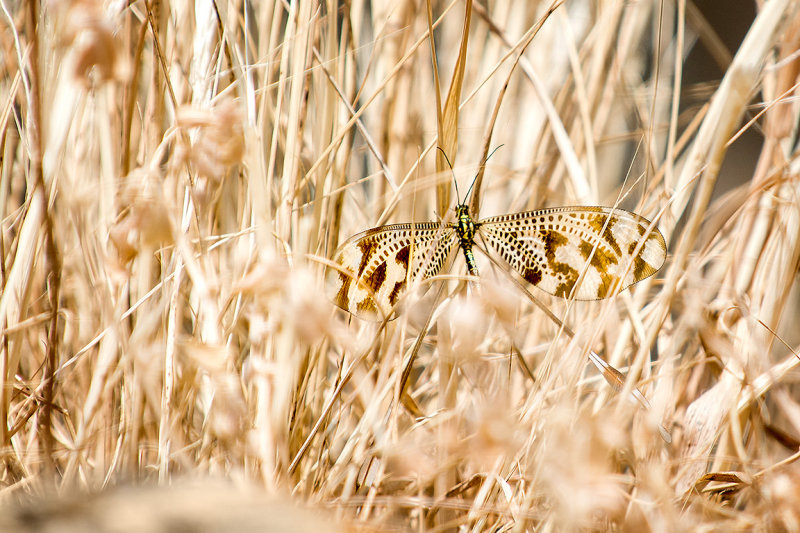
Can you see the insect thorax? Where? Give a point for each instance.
(465, 227)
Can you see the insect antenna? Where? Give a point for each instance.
(480, 171)
(455, 182)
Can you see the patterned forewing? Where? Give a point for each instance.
(378, 265)
(552, 248)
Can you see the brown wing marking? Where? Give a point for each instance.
(552, 248)
(378, 265)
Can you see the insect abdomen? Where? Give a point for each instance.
(469, 257)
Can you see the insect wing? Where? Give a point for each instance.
(378, 265)
(552, 248)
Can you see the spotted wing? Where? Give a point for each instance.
(552, 248)
(378, 265)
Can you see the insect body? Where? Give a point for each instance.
(605, 249)
(465, 229)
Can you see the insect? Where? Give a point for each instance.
(585, 253)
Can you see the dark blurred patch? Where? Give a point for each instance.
(729, 22)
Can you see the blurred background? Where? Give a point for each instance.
(175, 180)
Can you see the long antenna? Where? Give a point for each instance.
(455, 182)
(483, 165)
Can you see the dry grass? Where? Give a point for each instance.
(174, 176)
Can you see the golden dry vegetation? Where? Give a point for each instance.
(174, 177)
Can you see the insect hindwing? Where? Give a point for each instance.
(380, 264)
(552, 248)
